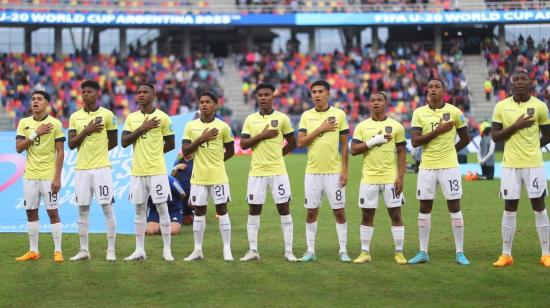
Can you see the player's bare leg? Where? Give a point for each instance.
(199, 225)
(542, 225)
(252, 229)
(398, 233)
(288, 230)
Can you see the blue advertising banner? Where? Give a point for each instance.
(12, 165)
(21, 17)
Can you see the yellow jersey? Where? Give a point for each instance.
(439, 153)
(93, 152)
(323, 156)
(380, 162)
(267, 155)
(208, 166)
(148, 149)
(522, 149)
(40, 164)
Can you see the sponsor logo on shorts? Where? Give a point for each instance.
(251, 197)
(446, 116)
(388, 129)
(362, 200)
(418, 192)
(506, 192)
(305, 201)
(530, 112)
(274, 123)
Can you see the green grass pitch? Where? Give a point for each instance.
(273, 282)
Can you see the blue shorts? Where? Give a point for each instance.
(153, 215)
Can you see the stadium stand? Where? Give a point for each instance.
(177, 80)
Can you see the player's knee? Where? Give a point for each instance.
(538, 204)
(283, 209)
(255, 209)
(340, 216)
(200, 210)
(221, 209)
(175, 229)
(396, 218)
(54, 216)
(32, 215)
(312, 214)
(152, 228)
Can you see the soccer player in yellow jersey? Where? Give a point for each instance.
(42, 137)
(519, 121)
(93, 132)
(323, 129)
(435, 127)
(210, 141)
(379, 138)
(149, 131)
(264, 132)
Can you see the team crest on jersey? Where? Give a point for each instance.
(446, 116)
(331, 120)
(530, 112)
(388, 129)
(274, 123)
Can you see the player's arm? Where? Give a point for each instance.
(249, 142)
(305, 138)
(75, 140)
(169, 143)
(417, 139)
(113, 140)
(129, 137)
(22, 143)
(59, 157)
(499, 133)
(189, 147)
(545, 132)
(360, 147)
(464, 138)
(401, 167)
(290, 143)
(345, 156)
(229, 150)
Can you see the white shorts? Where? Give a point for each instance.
(33, 189)
(316, 184)
(219, 192)
(449, 180)
(257, 187)
(98, 182)
(369, 193)
(156, 186)
(534, 180)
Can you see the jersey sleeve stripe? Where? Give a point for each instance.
(245, 135)
(60, 139)
(302, 130)
(356, 141)
(20, 137)
(72, 130)
(289, 134)
(344, 131)
(185, 141)
(401, 143)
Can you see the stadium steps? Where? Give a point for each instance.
(471, 5)
(6, 122)
(475, 71)
(232, 88)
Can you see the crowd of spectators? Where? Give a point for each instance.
(517, 4)
(522, 53)
(177, 81)
(402, 73)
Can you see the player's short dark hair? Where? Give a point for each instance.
(265, 86)
(322, 83)
(381, 93)
(90, 84)
(212, 96)
(43, 93)
(443, 84)
(147, 84)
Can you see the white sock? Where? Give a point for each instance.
(140, 224)
(83, 225)
(365, 233)
(252, 228)
(342, 231)
(424, 224)
(288, 231)
(457, 221)
(110, 223)
(165, 224)
(199, 224)
(33, 228)
(56, 234)
(508, 231)
(398, 233)
(225, 230)
(541, 221)
(311, 232)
